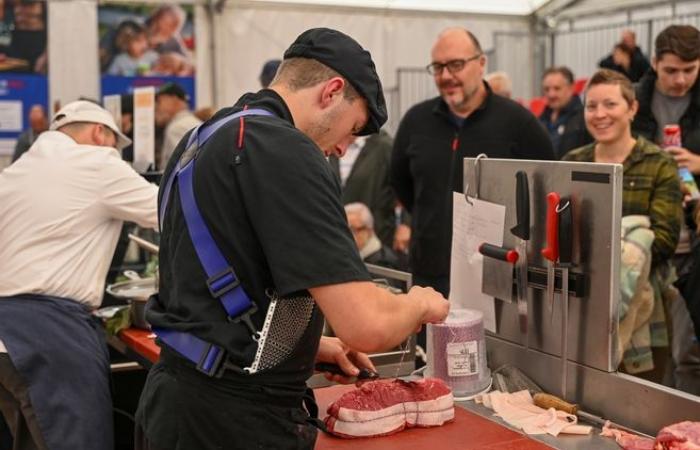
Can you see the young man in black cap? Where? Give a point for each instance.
(270, 205)
(173, 113)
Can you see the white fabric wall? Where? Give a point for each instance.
(233, 45)
(203, 56)
(581, 43)
(73, 45)
(248, 35)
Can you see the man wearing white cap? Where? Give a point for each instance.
(61, 210)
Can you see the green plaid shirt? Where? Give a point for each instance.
(650, 187)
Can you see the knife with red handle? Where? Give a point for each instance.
(551, 251)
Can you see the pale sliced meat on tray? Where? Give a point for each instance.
(380, 408)
(627, 441)
(679, 436)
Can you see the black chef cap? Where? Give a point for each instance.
(343, 54)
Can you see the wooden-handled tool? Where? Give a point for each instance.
(144, 244)
(547, 401)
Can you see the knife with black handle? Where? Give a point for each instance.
(365, 373)
(522, 231)
(566, 242)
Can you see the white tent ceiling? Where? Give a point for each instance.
(506, 7)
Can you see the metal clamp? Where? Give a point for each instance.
(245, 318)
(477, 180)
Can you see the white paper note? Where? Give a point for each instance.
(7, 147)
(11, 116)
(472, 225)
(113, 104)
(144, 128)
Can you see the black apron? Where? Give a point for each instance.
(59, 349)
(238, 416)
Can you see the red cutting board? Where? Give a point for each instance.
(467, 431)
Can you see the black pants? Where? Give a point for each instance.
(17, 408)
(181, 409)
(5, 435)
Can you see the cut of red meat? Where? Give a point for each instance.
(380, 408)
(679, 436)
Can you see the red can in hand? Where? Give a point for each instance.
(672, 136)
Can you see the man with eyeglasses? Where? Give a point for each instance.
(372, 250)
(433, 138)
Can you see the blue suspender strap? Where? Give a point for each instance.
(206, 356)
(222, 281)
(199, 136)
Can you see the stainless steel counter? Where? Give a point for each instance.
(564, 442)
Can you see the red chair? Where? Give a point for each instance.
(580, 85)
(537, 105)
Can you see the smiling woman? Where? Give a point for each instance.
(651, 188)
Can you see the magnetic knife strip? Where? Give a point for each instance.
(537, 279)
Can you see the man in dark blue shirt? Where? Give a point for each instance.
(563, 116)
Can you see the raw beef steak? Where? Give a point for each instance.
(380, 408)
(679, 436)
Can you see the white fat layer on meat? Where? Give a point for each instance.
(403, 409)
(388, 424)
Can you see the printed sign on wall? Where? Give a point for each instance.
(23, 67)
(146, 45)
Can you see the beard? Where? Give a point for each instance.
(459, 99)
(319, 131)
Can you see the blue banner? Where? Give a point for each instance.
(112, 84)
(29, 90)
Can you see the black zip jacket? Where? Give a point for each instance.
(645, 124)
(427, 165)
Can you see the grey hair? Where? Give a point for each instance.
(363, 211)
(502, 77)
(170, 8)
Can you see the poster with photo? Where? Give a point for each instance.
(146, 45)
(23, 83)
(23, 37)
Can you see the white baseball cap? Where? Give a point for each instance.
(84, 111)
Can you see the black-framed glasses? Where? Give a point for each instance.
(452, 66)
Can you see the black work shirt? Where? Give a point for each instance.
(427, 165)
(273, 207)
